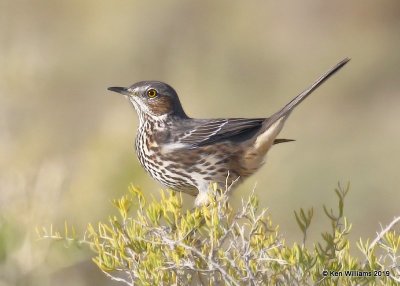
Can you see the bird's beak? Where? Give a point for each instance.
(121, 90)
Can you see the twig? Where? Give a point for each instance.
(116, 278)
(383, 232)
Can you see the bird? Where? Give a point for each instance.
(189, 155)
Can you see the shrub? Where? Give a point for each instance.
(161, 243)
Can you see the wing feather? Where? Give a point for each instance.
(214, 130)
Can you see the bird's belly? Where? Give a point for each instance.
(167, 170)
(202, 165)
(187, 170)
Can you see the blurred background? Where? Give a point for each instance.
(66, 143)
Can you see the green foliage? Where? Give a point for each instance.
(163, 244)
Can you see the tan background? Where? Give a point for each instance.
(66, 142)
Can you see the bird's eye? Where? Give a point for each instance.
(152, 93)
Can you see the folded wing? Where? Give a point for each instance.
(206, 132)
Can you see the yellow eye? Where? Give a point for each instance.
(152, 93)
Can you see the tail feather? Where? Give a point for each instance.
(266, 137)
(282, 140)
(273, 125)
(285, 111)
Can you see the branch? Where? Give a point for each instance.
(383, 232)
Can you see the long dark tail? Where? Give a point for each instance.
(285, 111)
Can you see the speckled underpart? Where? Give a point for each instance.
(184, 169)
(187, 154)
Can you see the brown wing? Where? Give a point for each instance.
(208, 131)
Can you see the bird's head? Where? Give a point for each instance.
(153, 99)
